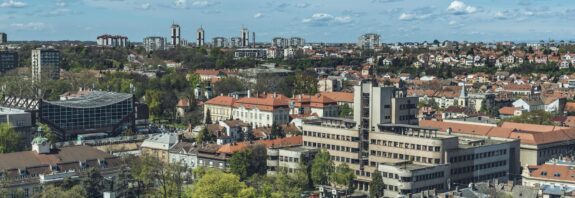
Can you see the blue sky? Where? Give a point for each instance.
(315, 20)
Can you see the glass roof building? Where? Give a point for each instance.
(95, 112)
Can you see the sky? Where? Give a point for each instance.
(314, 20)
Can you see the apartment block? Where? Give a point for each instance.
(289, 159)
(8, 60)
(45, 64)
(384, 135)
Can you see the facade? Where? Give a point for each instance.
(220, 108)
(96, 112)
(245, 37)
(112, 40)
(184, 153)
(235, 42)
(26, 172)
(8, 60)
(369, 41)
(289, 159)
(296, 42)
(154, 43)
(554, 173)
(254, 53)
(175, 35)
(219, 42)
(159, 145)
(45, 64)
(461, 159)
(20, 120)
(318, 104)
(3, 38)
(258, 111)
(200, 37)
(280, 42)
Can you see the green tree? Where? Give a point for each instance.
(343, 176)
(204, 136)
(305, 84)
(51, 191)
(9, 139)
(376, 187)
(239, 164)
(47, 133)
(228, 85)
(249, 161)
(539, 117)
(322, 167)
(218, 184)
(208, 117)
(93, 183)
(345, 111)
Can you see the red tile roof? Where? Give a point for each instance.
(553, 171)
(276, 143)
(339, 96)
(222, 101)
(508, 110)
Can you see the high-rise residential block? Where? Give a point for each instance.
(200, 37)
(154, 43)
(8, 60)
(45, 64)
(175, 35)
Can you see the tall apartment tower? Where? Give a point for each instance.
(369, 41)
(376, 104)
(3, 38)
(200, 37)
(254, 39)
(175, 34)
(45, 64)
(245, 37)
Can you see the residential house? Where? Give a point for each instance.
(159, 145)
(529, 105)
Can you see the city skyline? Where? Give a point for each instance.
(316, 21)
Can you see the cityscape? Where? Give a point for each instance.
(334, 107)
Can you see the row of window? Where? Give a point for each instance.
(470, 157)
(288, 159)
(407, 117)
(473, 168)
(330, 136)
(481, 178)
(405, 157)
(331, 147)
(431, 187)
(395, 144)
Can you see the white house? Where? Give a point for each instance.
(529, 105)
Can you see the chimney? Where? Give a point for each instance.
(274, 95)
(249, 94)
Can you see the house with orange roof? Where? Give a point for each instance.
(555, 172)
(342, 98)
(507, 112)
(220, 108)
(318, 104)
(538, 143)
(262, 110)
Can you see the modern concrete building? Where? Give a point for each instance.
(289, 159)
(200, 37)
(45, 64)
(219, 42)
(154, 43)
(235, 42)
(280, 42)
(112, 40)
(369, 41)
(245, 37)
(8, 60)
(175, 35)
(254, 53)
(384, 131)
(20, 120)
(3, 38)
(296, 42)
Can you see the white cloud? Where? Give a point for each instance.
(452, 22)
(145, 6)
(59, 12)
(61, 4)
(413, 16)
(181, 4)
(459, 8)
(13, 4)
(322, 19)
(33, 26)
(302, 5)
(258, 15)
(203, 4)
